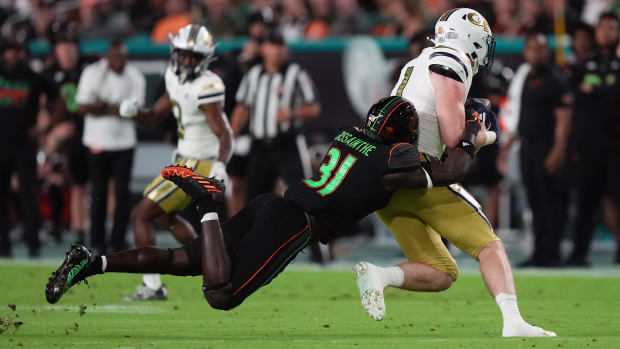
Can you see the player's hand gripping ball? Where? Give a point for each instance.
(129, 108)
(481, 108)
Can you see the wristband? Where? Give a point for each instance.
(467, 147)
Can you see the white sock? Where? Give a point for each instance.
(392, 276)
(152, 281)
(210, 216)
(104, 264)
(508, 305)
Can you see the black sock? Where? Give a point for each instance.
(205, 205)
(96, 266)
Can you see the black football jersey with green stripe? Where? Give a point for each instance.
(349, 183)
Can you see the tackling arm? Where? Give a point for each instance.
(221, 129)
(440, 173)
(450, 109)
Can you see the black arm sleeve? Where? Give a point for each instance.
(445, 71)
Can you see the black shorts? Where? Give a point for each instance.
(262, 239)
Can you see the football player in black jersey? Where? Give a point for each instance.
(361, 170)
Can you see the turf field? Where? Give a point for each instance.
(302, 308)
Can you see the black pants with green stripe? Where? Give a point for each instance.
(262, 239)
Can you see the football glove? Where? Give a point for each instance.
(129, 108)
(481, 108)
(218, 171)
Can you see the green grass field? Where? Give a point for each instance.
(303, 309)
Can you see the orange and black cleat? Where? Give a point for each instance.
(196, 186)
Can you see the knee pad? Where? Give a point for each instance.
(219, 296)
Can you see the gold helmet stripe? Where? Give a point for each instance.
(193, 34)
(445, 16)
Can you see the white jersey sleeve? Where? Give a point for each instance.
(454, 60)
(210, 89)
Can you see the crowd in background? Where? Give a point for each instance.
(297, 19)
(51, 136)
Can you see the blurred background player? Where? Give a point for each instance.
(110, 139)
(437, 82)
(20, 92)
(64, 75)
(195, 95)
(276, 97)
(539, 113)
(597, 101)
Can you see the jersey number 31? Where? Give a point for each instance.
(325, 187)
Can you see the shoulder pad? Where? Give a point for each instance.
(452, 59)
(403, 157)
(209, 88)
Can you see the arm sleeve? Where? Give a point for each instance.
(211, 90)
(448, 61)
(403, 157)
(306, 87)
(86, 89)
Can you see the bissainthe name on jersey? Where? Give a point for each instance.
(355, 143)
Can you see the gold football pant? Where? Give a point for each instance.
(167, 195)
(418, 218)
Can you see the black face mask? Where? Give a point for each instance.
(490, 55)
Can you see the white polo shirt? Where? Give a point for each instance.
(103, 132)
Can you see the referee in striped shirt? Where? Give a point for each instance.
(276, 97)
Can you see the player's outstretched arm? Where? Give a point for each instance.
(129, 108)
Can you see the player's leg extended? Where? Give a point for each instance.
(81, 263)
(454, 213)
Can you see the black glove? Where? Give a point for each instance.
(480, 108)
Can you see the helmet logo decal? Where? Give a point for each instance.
(476, 20)
(371, 120)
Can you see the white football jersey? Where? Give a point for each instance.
(415, 85)
(196, 139)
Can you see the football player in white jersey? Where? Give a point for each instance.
(196, 96)
(437, 83)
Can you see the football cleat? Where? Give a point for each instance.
(73, 270)
(371, 293)
(145, 293)
(523, 329)
(195, 185)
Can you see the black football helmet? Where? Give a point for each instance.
(392, 120)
